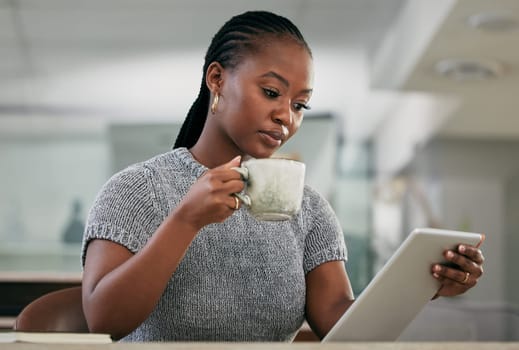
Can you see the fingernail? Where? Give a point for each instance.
(435, 275)
(450, 254)
(437, 268)
(462, 248)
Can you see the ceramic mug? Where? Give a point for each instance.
(273, 187)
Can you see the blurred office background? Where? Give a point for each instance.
(413, 123)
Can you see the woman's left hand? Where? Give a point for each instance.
(468, 269)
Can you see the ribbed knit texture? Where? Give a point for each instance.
(240, 280)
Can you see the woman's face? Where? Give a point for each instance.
(263, 99)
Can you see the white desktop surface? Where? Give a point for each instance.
(273, 346)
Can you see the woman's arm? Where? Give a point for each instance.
(120, 289)
(329, 292)
(328, 296)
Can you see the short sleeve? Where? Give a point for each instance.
(124, 211)
(324, 240)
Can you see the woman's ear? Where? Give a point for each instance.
(214, 77)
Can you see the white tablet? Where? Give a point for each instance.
(400, 290)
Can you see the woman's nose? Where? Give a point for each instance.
(283, 114)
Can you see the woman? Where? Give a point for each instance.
(168, 252)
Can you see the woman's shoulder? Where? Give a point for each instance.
(143, 169)
(311, 195)
(177, 160)
(315, 204)
(136, 175)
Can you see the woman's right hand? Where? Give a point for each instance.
(210, 199)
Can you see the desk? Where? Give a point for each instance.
(30, 269)
(40, 277)
(270, 346)
(19, 288)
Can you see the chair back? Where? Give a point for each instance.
(57, 311)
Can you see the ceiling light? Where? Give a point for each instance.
(469, 69)
(493, 22)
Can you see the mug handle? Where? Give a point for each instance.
(244, 172)
(244, 198)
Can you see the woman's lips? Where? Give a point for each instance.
(272, 138)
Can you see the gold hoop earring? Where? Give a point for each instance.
(215, 103)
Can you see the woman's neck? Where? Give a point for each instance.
(212, 154)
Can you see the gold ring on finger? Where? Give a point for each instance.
(467, 275)
(236, 203)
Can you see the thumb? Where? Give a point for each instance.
(235, 161)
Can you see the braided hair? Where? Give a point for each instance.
(238, 37)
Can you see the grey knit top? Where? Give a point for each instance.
(240, 280)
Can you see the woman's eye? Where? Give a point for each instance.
(271, 93)
(300, 106)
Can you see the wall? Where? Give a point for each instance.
(473, 185)
(46, 182)
(473, 177)
(316, 145)
(41, 180)
(511, 249)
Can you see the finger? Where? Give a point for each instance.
(451, 288)
(232, 186)
(465, 264)
(232, 202)
(221, 175)
(232, 163)
(223, 183)
(446, 274)
(224, 168)
(466, 278)
(448, 287)
(235, 203)
(472, 252)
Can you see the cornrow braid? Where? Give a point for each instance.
(238, 37)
